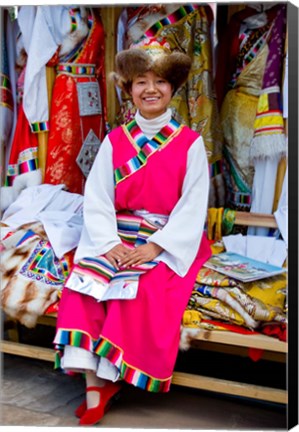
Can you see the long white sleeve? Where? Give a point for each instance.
(181, 236)
(99, 232)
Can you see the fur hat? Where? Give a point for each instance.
(151, 55)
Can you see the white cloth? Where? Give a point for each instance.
(99, 232)
(78, 359)
(59, 211)
(265, 249)
(263, 190)
(281, 214)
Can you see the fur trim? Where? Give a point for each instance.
(187, 335)
(74, 38)
(173, 66)
(268, 146)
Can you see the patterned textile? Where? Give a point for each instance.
(31, 274)
(69, 128)
(269, 137)
(250, 305)
(133, 231)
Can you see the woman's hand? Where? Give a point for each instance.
(140, 255)
(116, 254)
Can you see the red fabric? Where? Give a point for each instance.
(67, 129)
(276, 330)
(24, 144)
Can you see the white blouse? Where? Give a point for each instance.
(180, 237)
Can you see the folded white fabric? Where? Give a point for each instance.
(60, 212)
(266, 249)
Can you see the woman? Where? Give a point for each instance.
(144, 211)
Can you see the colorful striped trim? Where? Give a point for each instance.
(98, 268)
(37, 127)
(239, 198)
(76, 69)
(104, 348)
(251, 44)
(127, 372)
(176, 16)
(75, 338)
(74, 15)
(144, 147)
(133, 230)
(216, 168)
(75, 53)
(27, 162)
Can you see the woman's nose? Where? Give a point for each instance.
(151, 86)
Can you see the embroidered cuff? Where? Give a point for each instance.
(37, 127)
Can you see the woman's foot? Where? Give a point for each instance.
(94, 412)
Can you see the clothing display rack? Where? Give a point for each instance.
(212, 340)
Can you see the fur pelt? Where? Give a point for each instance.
(173, 66)
(74, 38)
(23, 298)
(187, 335)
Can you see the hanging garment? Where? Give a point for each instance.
(268, 145)
(250, 34)
(186, 28)
(6, 96)
(141, 336)
(22, 162)
(78, 109)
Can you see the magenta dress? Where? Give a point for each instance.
(139, 336)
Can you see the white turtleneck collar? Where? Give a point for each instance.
(150, 127)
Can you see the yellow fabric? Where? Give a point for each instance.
(210, 277)
(191, 318)
(215, 223)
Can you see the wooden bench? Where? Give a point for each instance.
(221, 341)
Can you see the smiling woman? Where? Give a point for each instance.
(149, 180)
(151, 94)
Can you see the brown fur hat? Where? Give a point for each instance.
(151, 55)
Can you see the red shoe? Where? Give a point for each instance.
(81, 409)
(107, 394)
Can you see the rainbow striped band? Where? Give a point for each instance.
(216, 168)
(239, 198)
(37, 127)
(144, 146)
(76, 69)
(74, 12)
(104, 348)
(171, 19)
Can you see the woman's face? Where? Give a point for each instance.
(151, 94)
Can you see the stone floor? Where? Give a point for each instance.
(33, 394)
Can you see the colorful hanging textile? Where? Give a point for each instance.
(269, 138)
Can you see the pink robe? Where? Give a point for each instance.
(139, 336)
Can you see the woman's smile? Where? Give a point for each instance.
(151, 94)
